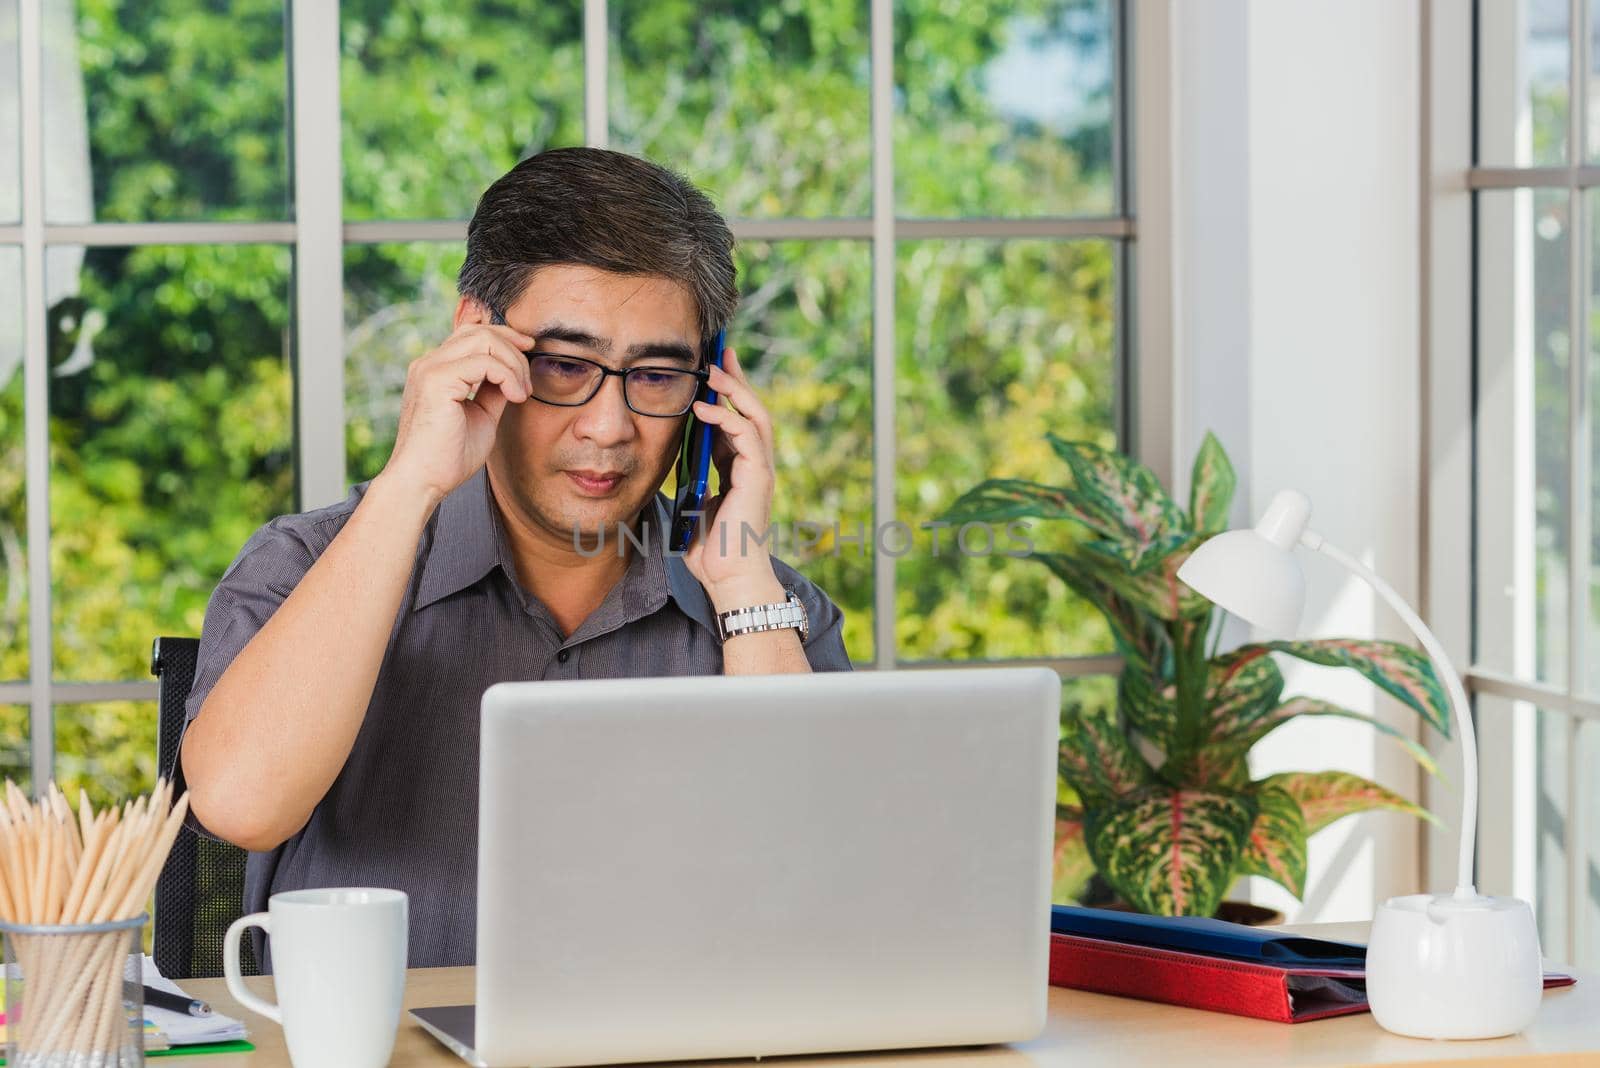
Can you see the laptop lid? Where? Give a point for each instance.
(763, 865)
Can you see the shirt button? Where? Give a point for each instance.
(563, 655)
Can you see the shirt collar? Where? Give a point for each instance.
(468, 544)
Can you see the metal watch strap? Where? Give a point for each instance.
(752, 620)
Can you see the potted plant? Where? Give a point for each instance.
(1156, 795)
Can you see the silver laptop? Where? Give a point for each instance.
(691, 868)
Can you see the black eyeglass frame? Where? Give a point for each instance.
(700, 376)
(607, 372)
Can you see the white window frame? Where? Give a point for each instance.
(1452, 417)
(319, 235)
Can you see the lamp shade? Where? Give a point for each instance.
(1249, 576)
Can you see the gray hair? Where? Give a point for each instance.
(608, 210)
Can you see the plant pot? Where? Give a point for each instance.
(1248, 914)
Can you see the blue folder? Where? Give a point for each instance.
(1212, 938)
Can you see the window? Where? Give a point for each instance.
(934, 255)
(1536, 593)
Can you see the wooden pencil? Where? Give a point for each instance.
(62, 868)
(8, 905)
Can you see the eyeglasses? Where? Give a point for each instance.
(570, 381)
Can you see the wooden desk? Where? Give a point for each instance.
(1084, 1031)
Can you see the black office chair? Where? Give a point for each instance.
(201, 888)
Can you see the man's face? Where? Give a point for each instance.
(595, 465)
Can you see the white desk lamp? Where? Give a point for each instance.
(1458, 965)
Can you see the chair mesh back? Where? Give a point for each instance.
(201, 888)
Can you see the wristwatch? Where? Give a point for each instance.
(779, 616)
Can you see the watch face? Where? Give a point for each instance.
(805, 618)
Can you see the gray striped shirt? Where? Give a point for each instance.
(403, 812)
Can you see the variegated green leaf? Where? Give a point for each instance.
(1140, 639)
(1138, 559)
(1218, 767)
(1001, 499)
(1325, 796)
(1399, 670)
(1150, 705)
(1251, 732)
(1170, 852)
(1072, 866)
(1097, 760)
(1277, 845)
(1211, 487)
(1134, 604)
(1157, 590)
(1123, 501)
(1242, 687)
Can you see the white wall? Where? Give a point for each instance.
(1296, 311)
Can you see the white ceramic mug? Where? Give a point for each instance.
(339, 968)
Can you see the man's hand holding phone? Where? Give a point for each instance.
(729, 553)
(454, 398)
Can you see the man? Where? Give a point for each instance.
(333, 725)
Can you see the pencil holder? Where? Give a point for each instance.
(74, 995)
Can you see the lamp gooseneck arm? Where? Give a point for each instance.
(1452, 682)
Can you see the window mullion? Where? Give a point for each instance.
(36, 395)
(883, 327)
(1448, 428)
(1154, 434)
(1579, 468)
(319, 251)
(596, 43)
(1577, 855)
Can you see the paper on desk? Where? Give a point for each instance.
(180, 1028)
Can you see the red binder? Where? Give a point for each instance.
(1284, 993)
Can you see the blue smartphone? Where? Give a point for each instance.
(694, 464)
